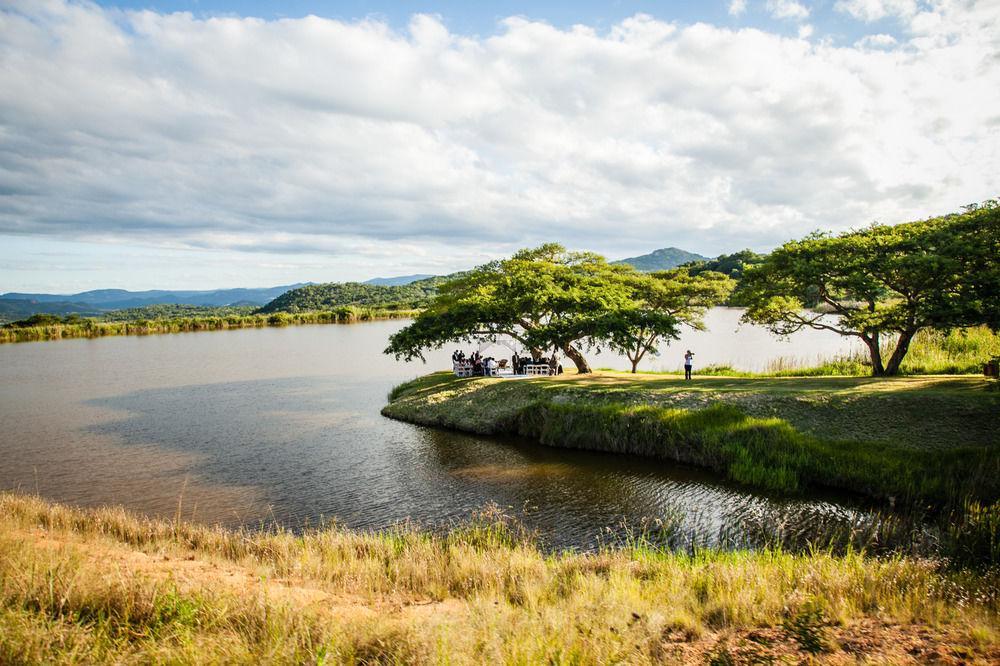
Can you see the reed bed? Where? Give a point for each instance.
(91, 328)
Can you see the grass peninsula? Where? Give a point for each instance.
(904, 440)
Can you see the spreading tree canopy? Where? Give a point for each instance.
(882, 284)
(551, 299)
(661, 302)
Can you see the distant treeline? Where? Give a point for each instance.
(51, 327)
(411, 296)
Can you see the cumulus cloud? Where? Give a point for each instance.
(875, 10)
(879, 41)
(737, 7)
(349, 138)
(787, 9)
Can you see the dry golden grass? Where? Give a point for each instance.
(107, 586)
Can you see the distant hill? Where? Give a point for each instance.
(732, 265)
(13, 309)
(397, 281)
(661, 260)
(338, 294)
(118, 299)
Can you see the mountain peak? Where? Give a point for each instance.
(660, 260)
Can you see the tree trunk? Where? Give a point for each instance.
(902, 346)
(875, 352)
(635, 364)
(582, 367)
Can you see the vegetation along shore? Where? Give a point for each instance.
(104, 585)
(54, 328)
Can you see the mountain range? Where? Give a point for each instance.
(408, 290)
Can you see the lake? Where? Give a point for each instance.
(282, 424)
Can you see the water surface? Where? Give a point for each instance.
(244, 427)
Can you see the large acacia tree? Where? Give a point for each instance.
(882, 284)
(546, 298)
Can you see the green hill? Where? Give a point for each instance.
(661, 260)
(338, 294)
(732, 265)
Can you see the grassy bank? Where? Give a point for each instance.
(914, 440)
(107, 586)
(92, 328)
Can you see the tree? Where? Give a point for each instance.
(548, 298)
(881, 284)
(661, 303)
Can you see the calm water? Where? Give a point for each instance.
(247, 426)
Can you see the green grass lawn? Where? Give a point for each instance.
(926, 412)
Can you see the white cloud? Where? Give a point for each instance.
(875, 10)
(805, 31)
(878, 41)
(787, 9)
(737, 7)
(321, 137)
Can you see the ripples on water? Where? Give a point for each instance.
(247, 427)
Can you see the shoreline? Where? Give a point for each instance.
(92, 329)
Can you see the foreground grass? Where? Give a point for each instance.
(912, 440)
(107, 586)
(92, 328)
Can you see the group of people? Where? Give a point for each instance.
(521, 363)
(488, 365)
(478, 365)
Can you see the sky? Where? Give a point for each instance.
(197, 144)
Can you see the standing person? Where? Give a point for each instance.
(688, 359)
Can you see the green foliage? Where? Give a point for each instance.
(37, 320)
(176, 311)
(807, 626)
(660, 303)
(731, 265)
(14, 309)
(883, 282)
(338, 294)
(548, 299)
(974, 535)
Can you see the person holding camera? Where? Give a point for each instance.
(688, 358)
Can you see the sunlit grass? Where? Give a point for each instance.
(108, 586)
